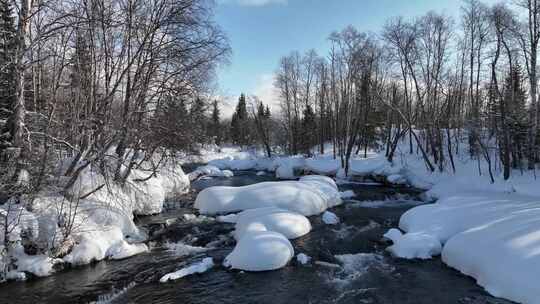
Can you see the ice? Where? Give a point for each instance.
(302, 258)
(203, 266)
(330, 218)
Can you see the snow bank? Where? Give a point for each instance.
(39, 265)
(308, 197)
(286, 167)
(203, 266)
(291, 225)
(324, 166)
(260, 251)
(479, 230)
(234, 164)
(123, 250)
(209, 170)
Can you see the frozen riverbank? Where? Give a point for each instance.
(474, 224)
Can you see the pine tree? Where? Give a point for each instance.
(515, 98)
(199, 120)
(7, 58)
(308, 130)
(215, 127)
(240, 123)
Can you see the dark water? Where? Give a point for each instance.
(370, 276)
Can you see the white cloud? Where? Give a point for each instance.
(264, 90)
(267, 93)
(253, 2)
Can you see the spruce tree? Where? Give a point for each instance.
(7, 58)
(308, 130)
(215, 127)
(240, 123)
(199, 120)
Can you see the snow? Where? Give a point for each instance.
(474, 224)
(286, 166)
(39, 265)
(323, 166)
(347, 194)
(234, 164)
(289, 224)
(260, 251)
(330, 218)
(123, 250)
(181, 249)
(307, 197)
(209, 170)
(479, 230)
(413, 245)
(203, 266)
(302, 258)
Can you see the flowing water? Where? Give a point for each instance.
(352, 265)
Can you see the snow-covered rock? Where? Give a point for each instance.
(347, 194)
(209, 170)
(123, 250)
(302, 258)
(413, 245)
(307, 197)
(330, 218)
(291, 225)
(39, 265)
(203, 266)
(260, 251)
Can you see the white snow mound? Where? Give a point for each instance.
(309, 196)
(291, 225)
(260, 251)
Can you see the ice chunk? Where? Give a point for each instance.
(303, 259)
(330, 218)
(200, 267)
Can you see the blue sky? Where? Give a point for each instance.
(261, 31)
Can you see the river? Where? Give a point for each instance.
(366, 272)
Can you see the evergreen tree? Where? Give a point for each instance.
(308, 130)
(199, 121)
(215, 127)
(7, 58)
(515, 98)
(240, 123)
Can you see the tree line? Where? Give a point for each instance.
(432, 81)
